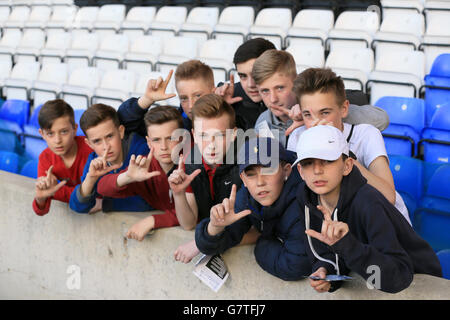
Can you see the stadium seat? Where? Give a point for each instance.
(38, 18)
(111, 52)
(9, 42)
(109, 19)
(436, 137)
(396, 73)
(17, 18)
(62, 17)
(84, 20)
(78, 113)
(307, 55)
(80, 87)
(55, 47)
(22, 76)
(402, 6)
(272, 24)
(310, 26)
(353, 64)
(173, 56)
(407, 120)
(234, 23)
(4, 14)
(143, 54)
(437, 86)
(82, 49)
(444, 259)
(432, 218)
(200, 23)
(34, 144)
(436, 40)
(354, 29)
(30, 169)
(9, 161)
(218, 55)
(399, 31)
(31, 43)
(14, 114)
(49, 83)
(5, 70)
(168, 20)
(138, 21)
(407, 173)
(115, 87)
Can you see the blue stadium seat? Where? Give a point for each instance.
(33, 121)
(16, 111)
(9, 161)
(436, 138)
(30, 169)
(435, 83)
(78, 114)
(407, 173)
(34, 144)
(432, 218)
(444, 259)
(407, 119)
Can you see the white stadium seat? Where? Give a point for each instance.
(200, 23)
(168, 20)
(49, 83)
(84, 19)
(55, 47)
(138, 21)
(9, 42)
(353, 64)
(396, 73)
(115, 87)
(5, 70)
(111, 51)
(354, 29)
(33, 40)
(4, 14)
(82, 49)
(22, 77)
(81, 87)
(307, 55)
(17, 17)
(234, 23)
(310, 26)
(272, 24)
(143, 54)
(109, 19)
(61, 18)
(402, 6)
(38, 18)
(172, 54)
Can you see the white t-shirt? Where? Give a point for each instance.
(367, 144)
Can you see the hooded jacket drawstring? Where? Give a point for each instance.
(307, 225)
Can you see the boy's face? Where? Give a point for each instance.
(60, 137)
(190, 90)
(159, 139)
(277, 91)
(244, 70)
(265, 188)
(213, 137)
(106, 136)
(322, 176)
(322, 106)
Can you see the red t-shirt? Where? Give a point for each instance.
(72, 174)
(155, 191)
(210, 171)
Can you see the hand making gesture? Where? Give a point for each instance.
(223, 214)
(227, 91)
(156, 91)
(332, 231)
(47, 186)
(294, 114)
(179, 180)
(138, 169)
(99, 166)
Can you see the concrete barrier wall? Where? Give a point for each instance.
(37, 255)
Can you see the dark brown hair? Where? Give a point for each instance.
(52, 110)
(194, 69)
(163, 114)
(213, 106)
(96, 114)
(319, 79)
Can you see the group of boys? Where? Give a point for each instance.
(311, 188)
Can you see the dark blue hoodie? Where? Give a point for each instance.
(378, 236)
(280, 250)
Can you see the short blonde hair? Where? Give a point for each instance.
(194, 69)
(271, 62)
(213, 106)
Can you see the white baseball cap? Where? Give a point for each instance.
(321, 142)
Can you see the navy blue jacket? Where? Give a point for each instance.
(378, 236)
(280, 250)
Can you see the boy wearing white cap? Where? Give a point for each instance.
(349, 225)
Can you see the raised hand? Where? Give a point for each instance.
(332, 231)
(179, 180)
(47, 186)
(294, 114)
(223, 214)
(156, 91)
(227, 91)
(138, 168)
(99, 166)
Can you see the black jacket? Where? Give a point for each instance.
(378, 236)
(225, 176)
(280, 250)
